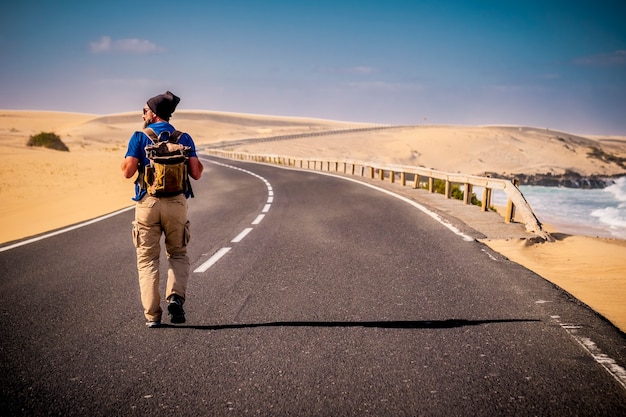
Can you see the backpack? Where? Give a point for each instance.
(167, 174)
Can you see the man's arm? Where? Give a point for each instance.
(129, 166)
(195, 168)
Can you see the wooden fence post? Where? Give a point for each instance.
(486, 199)
(467, 195)
(510, 207)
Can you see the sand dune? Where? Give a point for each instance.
(469, 150)
(43, 189)
(204, 127)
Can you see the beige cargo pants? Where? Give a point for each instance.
(156, 216)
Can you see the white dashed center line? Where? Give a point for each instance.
(212, 260)
(241, 235)
(223, 251)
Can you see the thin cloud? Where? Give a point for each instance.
(131, 46)
(613, 59)
(549, 76)
(349, 70)
(389, 87)
(517, 89)
(507, 88)
(124, 82)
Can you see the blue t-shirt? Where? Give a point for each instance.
(137, 148)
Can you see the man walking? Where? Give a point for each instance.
(158, 213)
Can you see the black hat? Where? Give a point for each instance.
(164, 105)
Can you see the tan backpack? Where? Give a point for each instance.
(167, 174)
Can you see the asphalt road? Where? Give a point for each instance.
(331, 299)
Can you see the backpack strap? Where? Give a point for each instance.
(151, 134)
(174, 136)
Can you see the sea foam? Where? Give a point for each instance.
(590, 212)
(614, 216)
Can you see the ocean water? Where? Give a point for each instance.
(596, 212)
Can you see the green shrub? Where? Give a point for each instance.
(455, 191)
(48, 140)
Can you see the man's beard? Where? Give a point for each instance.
(146, 123)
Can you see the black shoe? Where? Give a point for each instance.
(175, 308)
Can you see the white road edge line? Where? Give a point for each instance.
(418, 206)
(64, 230)
(212, 260)
(608, 363)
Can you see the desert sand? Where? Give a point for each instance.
(43, 189)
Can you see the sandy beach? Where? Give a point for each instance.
(43, 189)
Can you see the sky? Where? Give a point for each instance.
(551, 64)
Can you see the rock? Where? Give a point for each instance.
(569, 179)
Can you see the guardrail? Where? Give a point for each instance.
(415, 176)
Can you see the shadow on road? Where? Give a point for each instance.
(393, 324)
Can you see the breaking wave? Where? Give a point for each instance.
(589, 212)
(614, 216)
